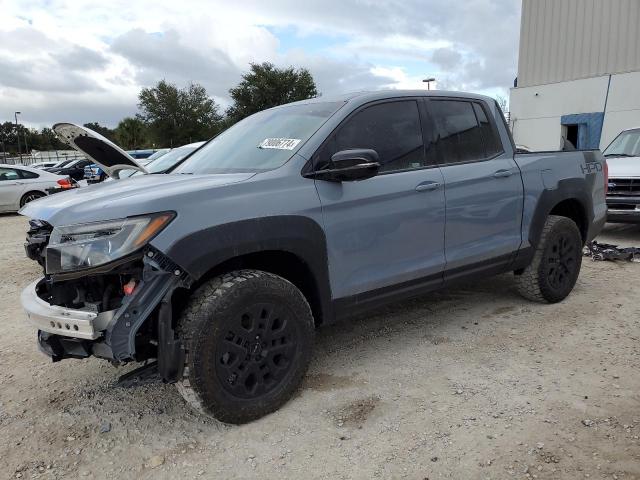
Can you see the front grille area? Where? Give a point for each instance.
(620, 206)
(624, 187)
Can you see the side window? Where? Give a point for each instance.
(492, 143)
(28, 174)
(392, 129)
(459, 134)
(8, 174)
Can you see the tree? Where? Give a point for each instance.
(30, 139)
(502, 102)
(104, 131)
(131, 133)
(267, 86)
(178, 116)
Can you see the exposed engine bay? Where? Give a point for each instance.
(127, 304)
(98, 292)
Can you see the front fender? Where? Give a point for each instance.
(200, 252)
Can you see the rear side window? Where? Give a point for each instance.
(28, 174)
(459, 134)
(492, 143)
(392, 129)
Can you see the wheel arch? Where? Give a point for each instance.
(29, 192)
(569, 199)
(573, 209)
(289, 246)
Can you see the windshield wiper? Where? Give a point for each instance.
(619, 155)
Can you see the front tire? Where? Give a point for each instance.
(248, 336)
(555, 267)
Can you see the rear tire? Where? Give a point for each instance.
(555, 267)
(248, 336)
(30, 197)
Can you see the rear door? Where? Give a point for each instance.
(483, 187)
(384, 234)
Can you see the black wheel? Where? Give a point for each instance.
(556, 263)
(248, 336)
(30, 197)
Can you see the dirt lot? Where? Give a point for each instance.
(472, 382)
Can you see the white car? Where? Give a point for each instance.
(20, 185)
(43, 164)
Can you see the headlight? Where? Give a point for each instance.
(76, 247)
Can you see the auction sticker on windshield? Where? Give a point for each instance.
(280, 143)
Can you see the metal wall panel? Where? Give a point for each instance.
(564, 40)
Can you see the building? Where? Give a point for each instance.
(578, 73)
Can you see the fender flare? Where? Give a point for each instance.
(567, 189)
(201, 251)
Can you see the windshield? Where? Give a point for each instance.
(158, 154)
(627, 144)
(171, 158)
(63, 163)
(263, 141)
(167, 161)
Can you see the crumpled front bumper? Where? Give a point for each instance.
(67, 322)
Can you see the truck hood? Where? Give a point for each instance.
(624, 167)
(106, 154)
(137, 195)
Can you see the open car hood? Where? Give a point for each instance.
(106, 154)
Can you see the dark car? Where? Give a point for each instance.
(73, 169)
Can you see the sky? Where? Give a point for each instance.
(82, 61)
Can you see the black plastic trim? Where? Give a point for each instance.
(301, 236)
(363, 302)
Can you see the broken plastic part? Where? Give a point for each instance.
(129, 287)
(606, 251)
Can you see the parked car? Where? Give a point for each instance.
(94, 174)
(167, 162)
(43, 164)
(73, 169)
(293, 218)
(20, 185)
(623, 194)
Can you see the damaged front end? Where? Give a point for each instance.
(106, 292)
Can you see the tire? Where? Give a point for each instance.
(248, 337)
(555, 267)
(30, 197)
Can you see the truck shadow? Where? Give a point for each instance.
(434, 315)
(628, 234)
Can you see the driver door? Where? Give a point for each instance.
(385, 235)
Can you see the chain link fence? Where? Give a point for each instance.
(38, 157)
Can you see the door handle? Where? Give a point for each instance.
(503, 173)
(428, 186)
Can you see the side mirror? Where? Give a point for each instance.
(348, 166)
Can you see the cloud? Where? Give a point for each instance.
(80, 58)
(91, 56)
(157, 56)
(446, 58)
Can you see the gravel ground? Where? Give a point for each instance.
(471, 382)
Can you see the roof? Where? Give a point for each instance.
(369, 96)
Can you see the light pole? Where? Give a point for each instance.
(428, 82)
(15, 115)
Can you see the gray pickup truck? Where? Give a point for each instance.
(294, 218)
